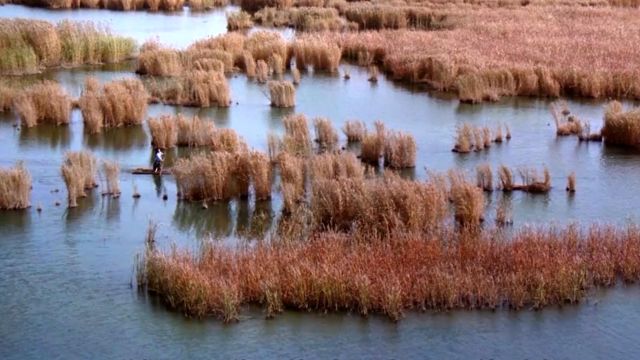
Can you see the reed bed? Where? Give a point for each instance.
(535, 268)
(303, 18)
(326, 135)
(43, 103)
(164, 131)
(621, 127)
(354, 130)
(138, 5)
(115, 104)
(111, 171)
(15, 187)
(199, 88)
(282, 94)
(79, 171)
(525, 51)
(28, 46)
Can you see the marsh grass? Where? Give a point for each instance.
(15, 187)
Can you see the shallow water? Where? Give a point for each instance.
(66, 274)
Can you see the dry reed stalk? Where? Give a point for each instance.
(282, 94)
(261, 175)
(503, 212)
(484, 177)
(326, 135)
(194, 131)
(399, 150)
(274, 145)
(571, 182)
(116, 104)
(111, 171)
(276, 64)
(297, 140)
(164, 131)
(468, 203)
(249, 64)
(7, 94)
(566, 124)
(262, 71)
(318, 53)
(292, 176)
(621, 127)
(295, 74)
(72, 176)
(372, 147)
(15, 187)
(45, 102)
(498, 137)
(373, 74)
(506, 178)
(354, 130)
(238, 20)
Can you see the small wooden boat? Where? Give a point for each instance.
(149, 171)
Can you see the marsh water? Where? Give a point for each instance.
(66, 274)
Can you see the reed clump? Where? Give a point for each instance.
(297, 140)
(115, 104)
(164, 131)
(533, 182)
(566, 124)
(282, 94)
(326, 135)
(194, 131)
(262, 71)
(15, 187)
(399, 150)
(354, 130)
(261, 175)
(79, 171)
(372, 146)
(293, 181)
(571, 182)
(239, 20)
(474, 138)
(621, 127)
(484, 177)
(43, 103)
(468, 202)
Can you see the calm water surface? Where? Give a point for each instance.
(66, 273)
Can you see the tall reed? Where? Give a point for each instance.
(282, 94)
(164, 131)
(111, 171)
(297, 140)
(326, 135)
